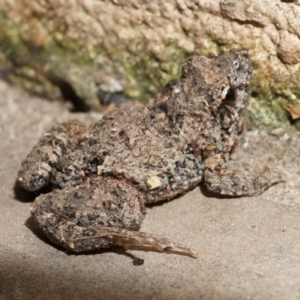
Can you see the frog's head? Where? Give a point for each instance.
(219, 85)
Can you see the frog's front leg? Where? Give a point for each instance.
(100, 213)
(36, 170)
(219, 180)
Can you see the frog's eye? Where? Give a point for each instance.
(236, 65)
(224, 92)
(227, 96)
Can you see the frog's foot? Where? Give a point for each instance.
(100, 213)
(81, 239)
(147, 241)
(218, 180)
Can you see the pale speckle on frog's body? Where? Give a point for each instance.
(102, 175)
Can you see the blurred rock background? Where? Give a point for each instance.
(77, 49)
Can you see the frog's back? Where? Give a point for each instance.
(146, 150)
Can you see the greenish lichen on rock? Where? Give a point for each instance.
(77, 48)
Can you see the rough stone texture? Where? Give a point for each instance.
(136, 46)
(249, 247)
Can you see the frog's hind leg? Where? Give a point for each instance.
(101, 213)
(79, 239)
(219, 180)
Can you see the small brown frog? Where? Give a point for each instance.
(102, 175)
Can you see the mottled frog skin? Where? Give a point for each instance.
(102, 175)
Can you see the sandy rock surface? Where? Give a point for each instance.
(249, 247)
